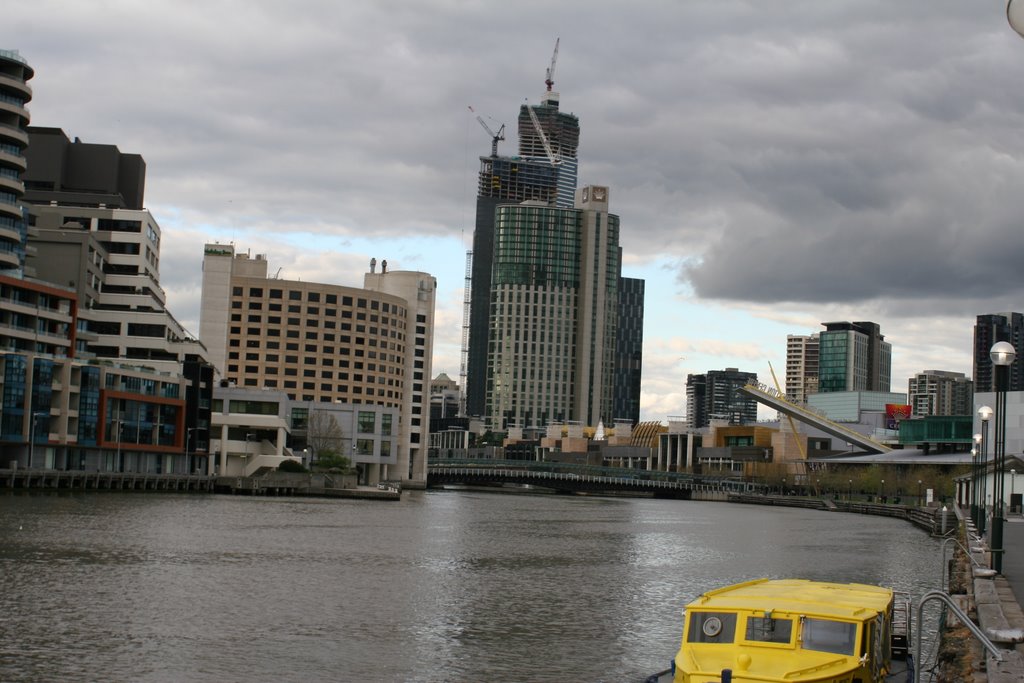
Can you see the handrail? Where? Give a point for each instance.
(964, 619)
(945, 544)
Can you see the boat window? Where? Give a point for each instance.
(769, 630)
(712, 627)
(829, 636)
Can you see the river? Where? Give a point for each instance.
(442, 586)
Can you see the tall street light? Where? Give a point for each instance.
(188, 441)
(986, 414)
(1015, 15)
(976, 475)
(32, 436)
(919, 501)
(248, 437)
(974, 484)
(1003, 355)
(1013, 481)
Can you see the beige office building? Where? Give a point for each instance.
(325, 343)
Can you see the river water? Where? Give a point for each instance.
(443, 586)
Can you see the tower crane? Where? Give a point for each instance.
(495, 137)
(550, 80)
(543, 138)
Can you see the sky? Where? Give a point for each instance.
(775, 164)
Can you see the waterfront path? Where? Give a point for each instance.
(1004, 609)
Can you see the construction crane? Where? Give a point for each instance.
(555, 161)
(550, 80)
(495, 137)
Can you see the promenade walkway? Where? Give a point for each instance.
(998, 606)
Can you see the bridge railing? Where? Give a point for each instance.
(718, 482)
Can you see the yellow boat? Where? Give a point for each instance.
(790, 630)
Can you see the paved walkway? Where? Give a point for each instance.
(998, 604)
(1013, 559)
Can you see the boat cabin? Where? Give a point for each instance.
(787, 630)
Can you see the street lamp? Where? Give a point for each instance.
(188, 440)
(849, 492)
(975, 477)
(883, 490)
(248, 437)
(920, 502)
(986, 414)
(32, 436)
(1003, 354)
(1013, 481)
(1015, 15)
(120, 426)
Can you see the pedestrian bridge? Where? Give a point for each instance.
(808, 415)
(569, 477)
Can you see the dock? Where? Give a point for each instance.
(78, 480)
(266, 484)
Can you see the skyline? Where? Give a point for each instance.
(774, 167)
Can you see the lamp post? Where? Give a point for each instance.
(974, 486)
(882, 492)
(32, 436)
(849, 492)
(189, 466)
(975, 476)
(985, 413)
(1015, 15)
(1013, 481)
(1003, 354)
(118, 464)
(248, 437)
(920, 501)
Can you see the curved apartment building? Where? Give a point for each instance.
(325, 343)
(14, 95)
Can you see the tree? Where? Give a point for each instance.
(330, 460)
(323, 433)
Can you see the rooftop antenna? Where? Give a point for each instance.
(550, 80)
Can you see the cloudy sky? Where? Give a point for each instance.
(775, 163)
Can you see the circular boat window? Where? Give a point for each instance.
(712, 627)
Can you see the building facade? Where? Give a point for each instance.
(989, 329)
(91, 233)
(629, 350)
(325, 343)
(530, 176)
(543, 180)
(939, 392)
(553, 318)
(801, 366)
(715, 396)
(853, 357)
(15, 94)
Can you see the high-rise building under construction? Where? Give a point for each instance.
(532, 175)
(540, 338)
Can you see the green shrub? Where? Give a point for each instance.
(291, 466)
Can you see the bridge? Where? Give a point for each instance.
(808, 415)
(572, 478)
